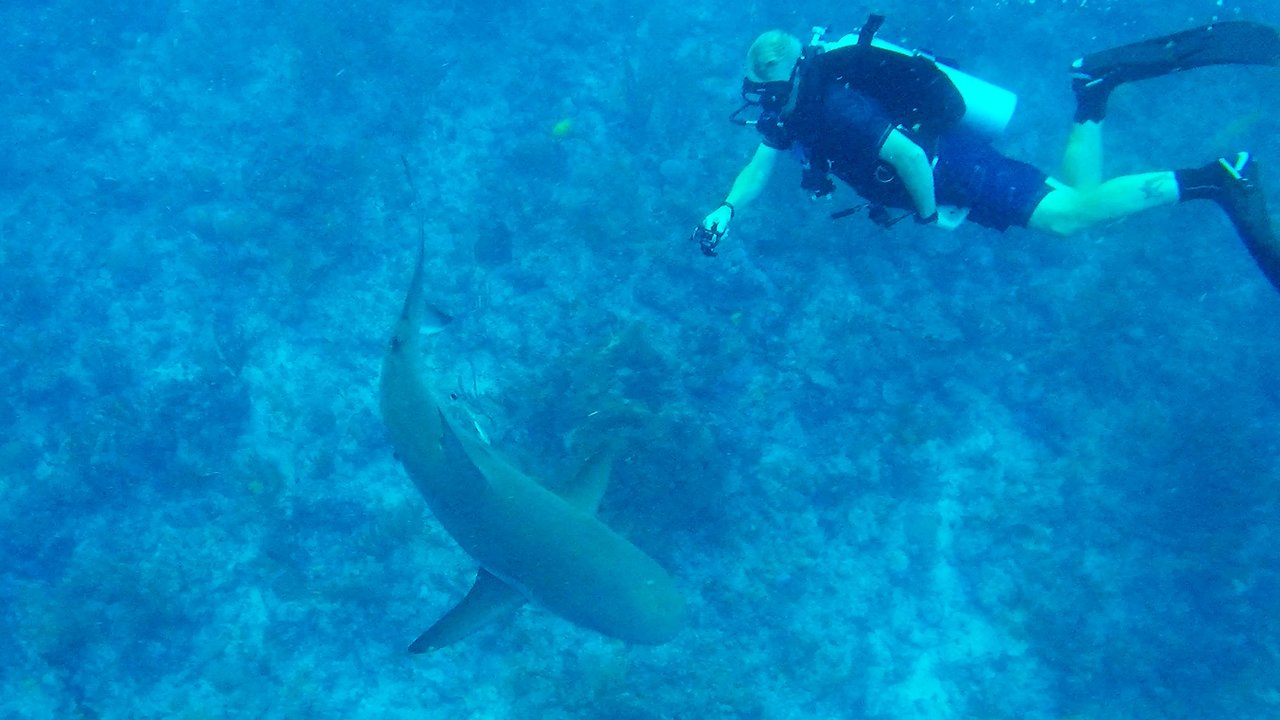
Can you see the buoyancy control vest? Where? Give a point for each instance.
(921, 95)
(912, 89)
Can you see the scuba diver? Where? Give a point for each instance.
(912, 133)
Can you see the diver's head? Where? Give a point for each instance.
(773, 56)
(771, 70)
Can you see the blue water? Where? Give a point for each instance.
(898, 474)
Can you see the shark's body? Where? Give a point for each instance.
(530, 542)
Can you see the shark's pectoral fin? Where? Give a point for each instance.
(488, 601)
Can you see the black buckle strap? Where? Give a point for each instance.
(870, 28)
(876, 213)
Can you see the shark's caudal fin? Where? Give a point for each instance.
(418, 315)
(408, 408)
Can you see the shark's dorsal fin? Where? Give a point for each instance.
(583, 492)
(588, 486)
(488, 601)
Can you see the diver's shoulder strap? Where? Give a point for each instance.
(870, 28)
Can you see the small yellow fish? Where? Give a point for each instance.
(562, 129)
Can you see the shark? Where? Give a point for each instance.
(532, 544)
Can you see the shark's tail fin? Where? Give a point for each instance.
(422, 315)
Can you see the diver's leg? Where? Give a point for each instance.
(1068, 210)
(1082, 159)
(1234, 184)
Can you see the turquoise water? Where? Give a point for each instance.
(898, 474)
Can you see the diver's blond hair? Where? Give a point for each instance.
(772, 56)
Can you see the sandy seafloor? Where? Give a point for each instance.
(898, 474)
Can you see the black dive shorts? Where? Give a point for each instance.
(1000, 192)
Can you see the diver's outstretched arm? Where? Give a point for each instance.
(748, 186)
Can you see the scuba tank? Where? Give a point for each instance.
(988, 108)
(913, 83)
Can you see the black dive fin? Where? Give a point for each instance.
(1226, 43)
(1246, 206)
(488, 601)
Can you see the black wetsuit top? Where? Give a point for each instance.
(846, 133)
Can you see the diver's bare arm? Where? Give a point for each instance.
(753, 178)
(912, 164)
(747, 186)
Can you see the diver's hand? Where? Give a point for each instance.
(718, 220)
